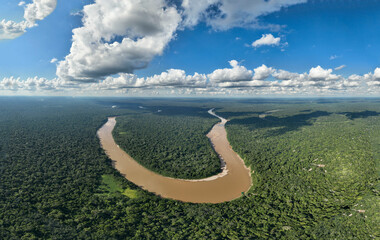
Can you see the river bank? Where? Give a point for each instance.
(234, 179)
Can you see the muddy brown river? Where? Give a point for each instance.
(226, 186)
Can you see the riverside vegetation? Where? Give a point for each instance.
(172, 145)
(316, 169)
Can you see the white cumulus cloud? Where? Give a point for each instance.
(39, 9)
(266, 40)
(11, 29)
(284, 75)
(118, 36)
(263, 72)
(376, 74)
(34, 11)
(177, 78)
(316, 82)
(124, 80)
(236, 73)
(318, 73)
(121, 36)
(373, 79)
(35, 84)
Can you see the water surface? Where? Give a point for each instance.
(228, 185)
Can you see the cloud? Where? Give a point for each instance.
(333, 57)
(318, 73)
(355, 77)
(177, 78)
(284, 75)
(35, 84)
(245, 84)
(118, 37)
(236, 73)
(266, 40)
(237, 80)
(124, 36)
(340, 67)
(352, 81)
(377, 74)
(124, 80)
(76, 13)
(39, 9)
(11, 29)
(318, 81)
(226, 14)
(262, 72)
(194, 10)
(373, 79)
(35, 11)
(172, 78)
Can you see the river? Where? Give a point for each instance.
(226, 186)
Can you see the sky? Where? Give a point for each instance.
(223, 48)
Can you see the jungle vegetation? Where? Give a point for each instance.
(316, 166)
(172, 145)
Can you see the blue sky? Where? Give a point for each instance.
(324, 33)
(315, 32)
(29, 55)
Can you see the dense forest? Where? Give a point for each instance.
(316, 168)
(172, 145)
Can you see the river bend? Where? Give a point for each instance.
(234, 179)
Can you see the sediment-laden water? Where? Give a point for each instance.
(228, 185)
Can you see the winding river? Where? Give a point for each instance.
(234, 179)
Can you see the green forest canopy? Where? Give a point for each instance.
(172, 145)
(316, 171)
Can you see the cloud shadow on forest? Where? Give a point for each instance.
(293, 123)
(286, 124)
(363, 114)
